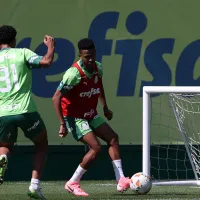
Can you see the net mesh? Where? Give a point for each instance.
(175, 136)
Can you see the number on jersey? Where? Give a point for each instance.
(5, 77)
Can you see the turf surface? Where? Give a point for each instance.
(96, 190)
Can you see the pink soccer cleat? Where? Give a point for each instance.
(74, 188)
(123, 184)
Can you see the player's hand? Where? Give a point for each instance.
(63, 131)
(49, 41)
(107, 113)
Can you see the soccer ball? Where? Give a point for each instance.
(140, 183)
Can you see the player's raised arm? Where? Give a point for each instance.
(48, 58)
(34, 61)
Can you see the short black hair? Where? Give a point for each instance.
(86, 44)
(7, 34)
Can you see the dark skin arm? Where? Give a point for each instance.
(57, 105)
(46, 61)
(107, 113)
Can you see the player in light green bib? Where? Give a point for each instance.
(17, 108)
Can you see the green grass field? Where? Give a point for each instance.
(96, 190)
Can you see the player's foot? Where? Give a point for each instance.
(123, 184)
(74, 188)
(3, 167)
(35, 194)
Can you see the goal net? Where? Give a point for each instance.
(171, 134)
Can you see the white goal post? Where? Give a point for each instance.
(184, 110)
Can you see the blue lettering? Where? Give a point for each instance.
(66, 54)
(130, 51)
(136, 23)
(156, 65)
(98, 29)
(25, 43)
(186, 64)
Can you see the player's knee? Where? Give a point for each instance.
(97, 150)
(42, 146)
(41, 142)
(115, 140)
(7, 146)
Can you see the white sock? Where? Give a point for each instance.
(117, 165)
(35, 183)
(78, 174)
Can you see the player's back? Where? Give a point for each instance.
(15, 82)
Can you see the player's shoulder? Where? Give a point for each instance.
(72, 69)
(11, 50)
(13, 53)
(20, 51)
(99, 67)
(71, 72)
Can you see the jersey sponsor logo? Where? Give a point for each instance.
(90, 113)
(67, 87)
(10, 107)
(34, 126)
(32, 58)
(85, 126)
(136, 23)
(88, 94)
(96, 116)
(70, 129)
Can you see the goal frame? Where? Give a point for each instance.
(147, 90)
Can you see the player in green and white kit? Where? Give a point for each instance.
(72, 78)
(75, 102)
(17, 108)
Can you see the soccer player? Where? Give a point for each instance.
(75, 103)
(17, 108)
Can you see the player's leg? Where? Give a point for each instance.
(41, 146)
(106, 133)
(94, 149)
(82, 132)
(34, 129)
(8, 136)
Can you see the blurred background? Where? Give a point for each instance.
(139, 43)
